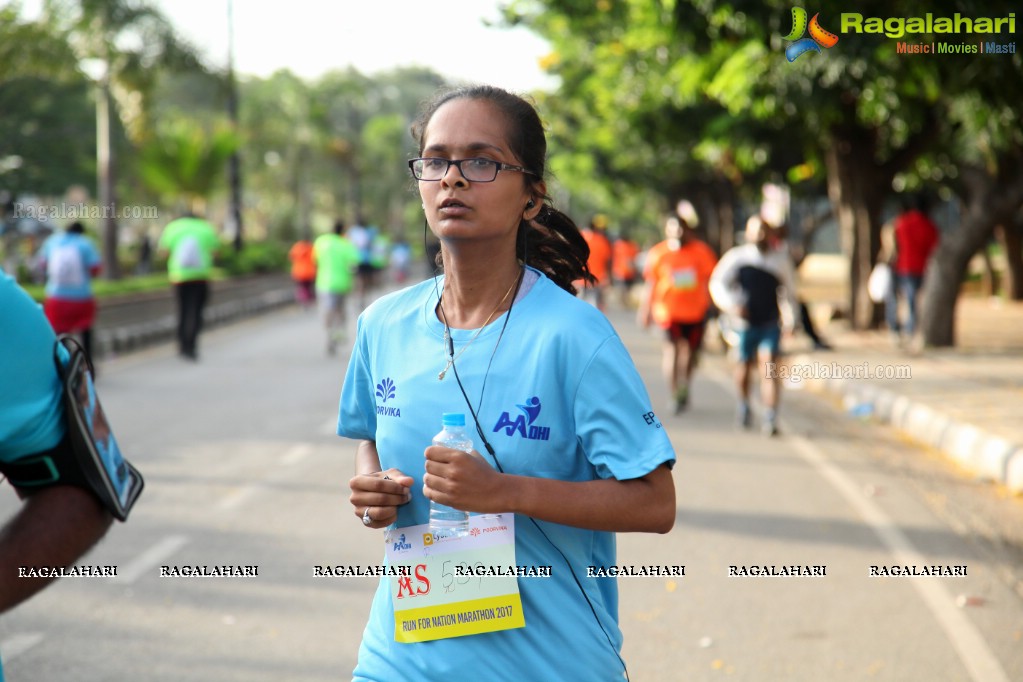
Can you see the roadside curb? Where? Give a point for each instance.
(987, 456)
(131, 337)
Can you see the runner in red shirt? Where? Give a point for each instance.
(916, 237)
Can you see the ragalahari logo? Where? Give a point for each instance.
(818, 36)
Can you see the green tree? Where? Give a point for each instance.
(280, 162)
(860, 114)
(981, 161)
(639, 121)
(46, 121)
(184, 161)
(128, 41)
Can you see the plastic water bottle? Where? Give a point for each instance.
(445, 521)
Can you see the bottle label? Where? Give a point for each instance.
(456, 586)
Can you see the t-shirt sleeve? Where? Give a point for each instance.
(710, 261)
(31, 417)
(357, 409)
(615, 422)
(212, 240)
(723, 288)
(92, 257)
(166, 240)
(652, 261)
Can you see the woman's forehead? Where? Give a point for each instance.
(466, 123)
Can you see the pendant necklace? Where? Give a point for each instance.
(452, 357)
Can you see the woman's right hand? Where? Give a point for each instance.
(377, 496)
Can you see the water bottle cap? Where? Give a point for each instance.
(453, 419)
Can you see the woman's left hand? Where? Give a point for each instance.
(463, 480)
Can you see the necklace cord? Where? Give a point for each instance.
(479, 430)
(447, 329)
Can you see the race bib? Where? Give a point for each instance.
(684, 279)
(189, 253)
(64, 267)
(456, 586)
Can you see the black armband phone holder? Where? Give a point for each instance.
(88, 456)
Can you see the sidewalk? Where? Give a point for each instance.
(966, 401)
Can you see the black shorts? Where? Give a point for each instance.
(692, 332)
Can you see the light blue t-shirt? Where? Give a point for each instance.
(69, 259)
(563, 400)
(32, 416)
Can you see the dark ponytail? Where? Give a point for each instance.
(552, 243)
(555, 247)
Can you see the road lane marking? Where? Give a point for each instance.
(236, 498)
(14, 646)
(969, 644)
(296, 453)
(973, 651)
(149, 559)
(292, 456)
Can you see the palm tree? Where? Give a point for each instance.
(183, 161)
(129, 41)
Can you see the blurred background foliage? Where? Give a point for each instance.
(659, 100)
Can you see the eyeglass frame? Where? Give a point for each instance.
(457, 163)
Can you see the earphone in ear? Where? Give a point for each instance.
(530, 204)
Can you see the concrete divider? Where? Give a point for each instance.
(134, 321)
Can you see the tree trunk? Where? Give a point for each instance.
(856, 187)
(704, 198)
(988, 278)
(858, 182)
(724, 208)
(106, 170)
(944, 276)
(703, 202)
(1010, 236)
(989, 200)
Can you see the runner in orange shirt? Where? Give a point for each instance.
(677, 298)
(599, 261)
(303, 272)
(623, 266)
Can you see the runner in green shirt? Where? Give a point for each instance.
(191, 243)
(336, 262)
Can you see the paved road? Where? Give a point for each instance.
(242, 469)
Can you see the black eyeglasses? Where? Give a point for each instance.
(432, 169)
